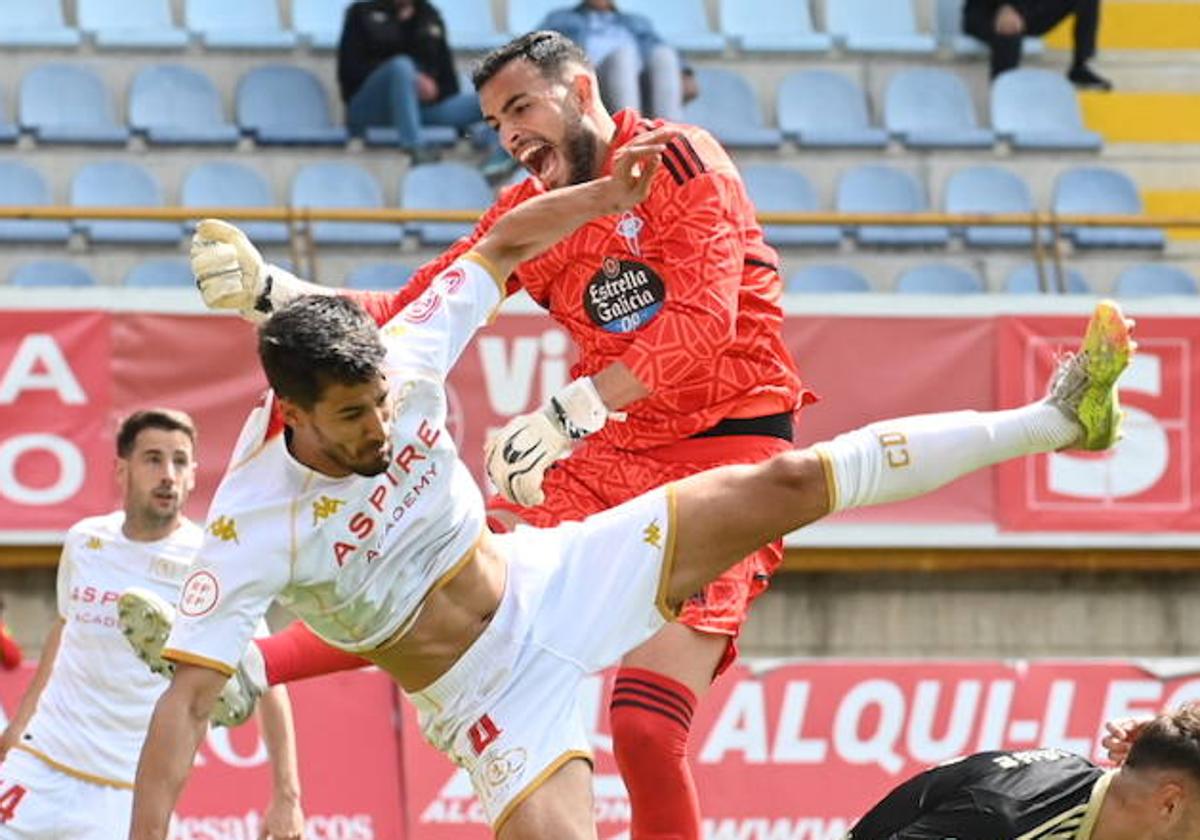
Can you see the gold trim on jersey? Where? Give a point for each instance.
(527, 791)
(831, 488)
(493, 272)
(1075, 823)
(71, 771)
(669, 612)
(196, 659)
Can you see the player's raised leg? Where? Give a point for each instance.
(724, 514)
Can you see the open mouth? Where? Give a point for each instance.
(539, 158)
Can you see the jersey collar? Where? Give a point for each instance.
(1095, 801)
(629, 125)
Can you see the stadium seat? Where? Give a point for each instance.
(930, 108)
(238, 24)
(50, 273)
(776, 188)
(343, 185)
(319, 22)
(824, 109)
(872, 26)
(682, 23)
(131, 24)
(939, 279)
(22, 185)
(526, 15)
(173, 272)
(443, 186)
(768, 26)
(1038, 109)
(1023, 280)
(35, 23)
(729, 109)
(283, 105)
(224, 184)
(470, 25)
(1097, 191)
(379, 276)
(827, 279)
(67, 103)
(948, 22)
(8, 130)
(175, 105)
(120, 184)
(1150, 279)
(990, 189)
(876, 188)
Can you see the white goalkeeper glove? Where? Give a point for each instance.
(231, 273)
(518, 456)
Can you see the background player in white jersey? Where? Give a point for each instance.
(70, 753)
(359, 516)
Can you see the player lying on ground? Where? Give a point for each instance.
(360, 517)
(1053, 795)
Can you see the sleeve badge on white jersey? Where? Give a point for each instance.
(224, 528)
(200, 593)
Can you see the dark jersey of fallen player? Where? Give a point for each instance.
(1034, 795)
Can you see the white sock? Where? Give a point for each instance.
(898, 459)
(255, 668)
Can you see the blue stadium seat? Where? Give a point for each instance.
(120, 184)
(343, 185)
(22, 185)
(930, 108)
(379, 276)
(782, 189)
(67, 103)
(939, 279)
(1151, 279)
(682, 23)
(874, 26)
(1038, 109)
(768, 26)
(131, 24)
(526, 15)
(876, 188)
(319, 22)
(50, 273)
(225, 184)
(173, 272)
(443, 186)
(470, 25)
(729, 109)
(1097, 191)
(175, 105)
(827, 279)
(824, 109)
(948, 23)
(1023, 280)
(238, 24)
(35, 23)
(990, 189)
(283, 105)
(8, 131)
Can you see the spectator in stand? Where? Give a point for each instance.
(395, 69)
(10, 651)
(1002, 24)
(636, 68)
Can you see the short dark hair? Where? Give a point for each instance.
(546, 50)
(315, 340)
(167, 419)
(1169, 742)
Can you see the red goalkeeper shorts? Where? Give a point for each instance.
(596, 477)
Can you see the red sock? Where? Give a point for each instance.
(296, 653)
(651, 717)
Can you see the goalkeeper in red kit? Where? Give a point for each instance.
(682, 367)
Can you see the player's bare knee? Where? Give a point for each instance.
(799, 476)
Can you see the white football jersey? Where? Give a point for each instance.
(353, 557)
(92, 716)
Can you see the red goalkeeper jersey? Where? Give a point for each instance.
(682, 289)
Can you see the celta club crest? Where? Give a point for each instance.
(629, 228)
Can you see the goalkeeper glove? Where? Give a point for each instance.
(231, 273)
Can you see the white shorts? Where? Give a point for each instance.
(577, 598)
(54, 805)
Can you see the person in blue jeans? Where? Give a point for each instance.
(395, 69)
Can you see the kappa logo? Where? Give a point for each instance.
(325, 507)
(94, 543)
(224, 528)
(652, 535)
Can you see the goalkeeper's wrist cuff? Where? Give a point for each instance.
(279, 287)
(578, 409)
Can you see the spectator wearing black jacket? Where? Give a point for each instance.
(1002, 24)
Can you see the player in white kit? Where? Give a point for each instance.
(357, 514)
(70, 753)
